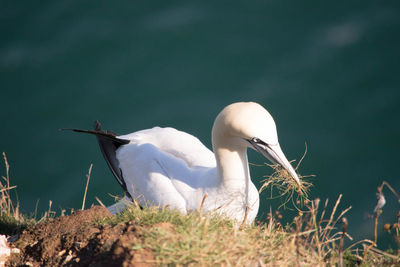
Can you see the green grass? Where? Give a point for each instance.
(9, 225)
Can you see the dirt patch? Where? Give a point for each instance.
(165, 225)
(75, 240)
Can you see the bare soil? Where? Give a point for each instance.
(75, 240)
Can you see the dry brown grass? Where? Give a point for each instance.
(11, 220)
(6, 204)
(86, 187)
(319, 230)
(281, 183)
(386, 227)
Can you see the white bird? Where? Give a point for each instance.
(167, 167)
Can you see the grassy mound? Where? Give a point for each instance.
(160, 236)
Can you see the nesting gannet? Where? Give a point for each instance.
(167, 167)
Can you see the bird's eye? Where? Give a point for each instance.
(256, 140)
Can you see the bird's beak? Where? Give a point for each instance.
(274, 154)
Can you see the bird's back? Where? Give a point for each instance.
(176, 143)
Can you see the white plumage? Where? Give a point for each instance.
(164, 166)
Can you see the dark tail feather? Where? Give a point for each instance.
(99, 133)
(109, 144)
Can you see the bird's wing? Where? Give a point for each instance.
(165, 166)
(176, 143)
(147, 179)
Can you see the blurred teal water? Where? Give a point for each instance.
(327, 72)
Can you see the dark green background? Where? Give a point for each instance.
(327, 71)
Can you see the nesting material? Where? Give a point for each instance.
(282, 182)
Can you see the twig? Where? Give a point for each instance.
(385, 254)
(8, 188)
(344, 220)
(7, 178)
(87, 185)
(202, 203)
(304, 155)
(359, 242)
(314, 211)
(297, 241)
(338, 218)
(375, 234)
(378, 211)
(246, 211)
(137, 205)
(323, 213)
(391, 189)
(49, 211)
(327, 227)
(101, 203)
(36, 209)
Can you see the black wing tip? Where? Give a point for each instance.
(109, 143)
(100, 134)
(97, 128)
(71, 129)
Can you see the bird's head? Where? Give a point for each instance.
(248, 124)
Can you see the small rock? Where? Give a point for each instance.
(68, 258)
(33, 244)
(15, 251)
(62, 252)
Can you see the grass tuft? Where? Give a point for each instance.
(11, 220)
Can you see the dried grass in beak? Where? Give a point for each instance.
(282, 182)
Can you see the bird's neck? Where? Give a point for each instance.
(233, 167)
